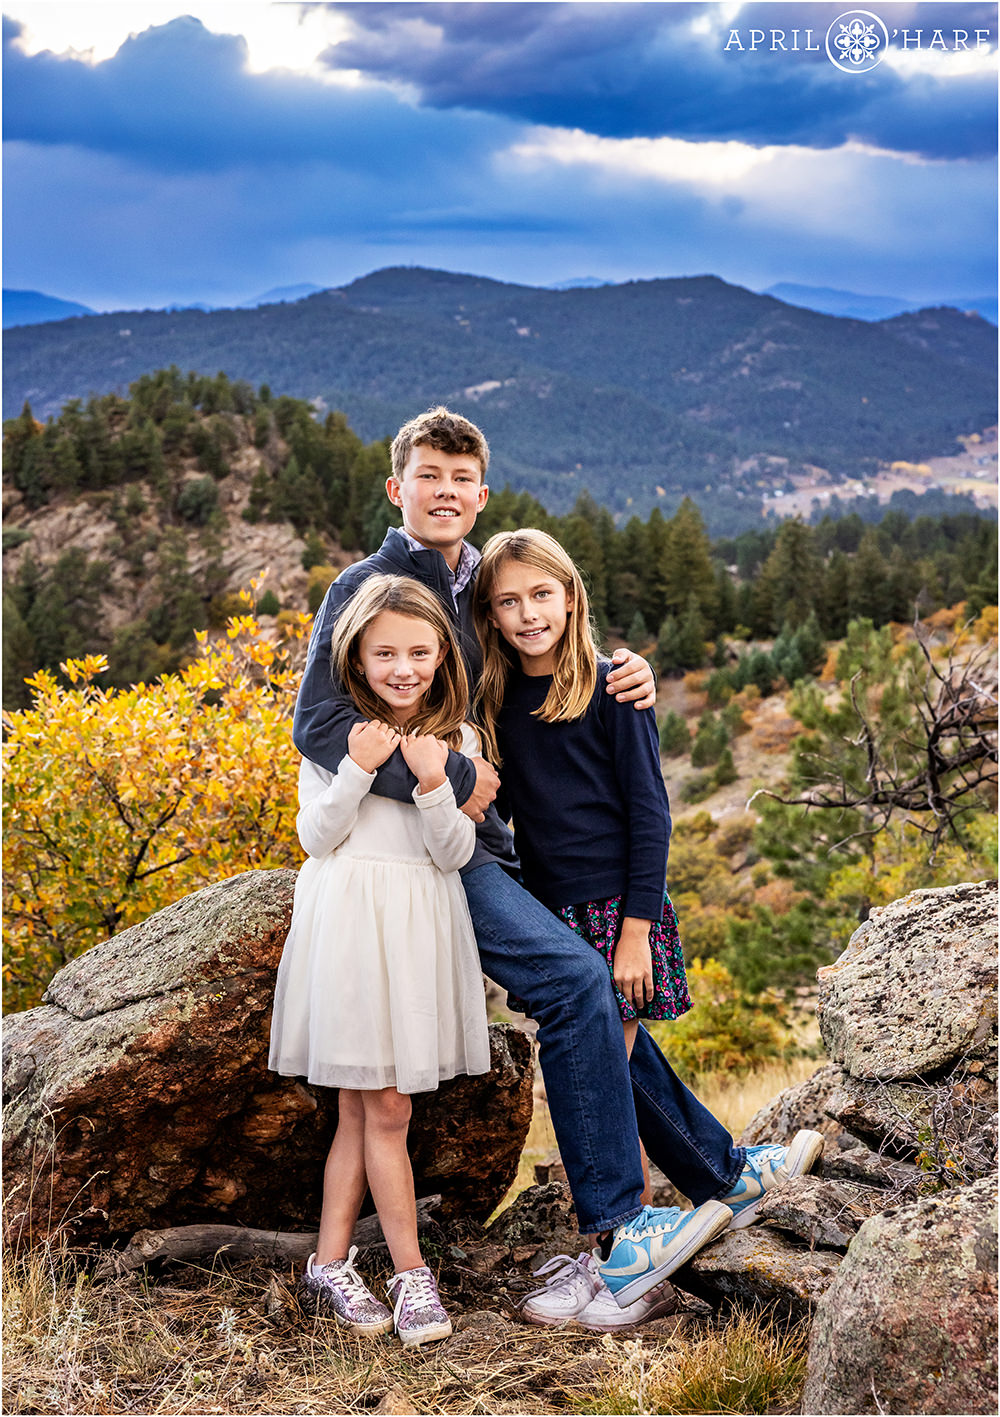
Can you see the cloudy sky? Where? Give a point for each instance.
(157, 152)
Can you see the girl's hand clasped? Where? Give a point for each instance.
(426, 757)
(371, 744)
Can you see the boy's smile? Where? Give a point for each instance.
(440, 494)
(531, 610)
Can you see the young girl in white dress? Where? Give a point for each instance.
(379, 991)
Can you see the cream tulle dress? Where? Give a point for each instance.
(379, 984)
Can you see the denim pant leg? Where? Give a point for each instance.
(530, 952)
(690, 1146)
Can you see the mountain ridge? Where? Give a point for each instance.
(635, 391)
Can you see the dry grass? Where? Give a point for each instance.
(734, 1100)
(234, 1341)
(191, 1340)
(749, 1364)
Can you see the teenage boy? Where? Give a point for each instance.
(600, 1101)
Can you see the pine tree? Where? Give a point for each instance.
(638, 634)
(686, 568)
(710, 740)
(691, 636)
(668, 646)
(653, 604)
(867, 582)
(675, 736)
(792, 574)
(834, 608)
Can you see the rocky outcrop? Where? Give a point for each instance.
(909, 1324)
(914, 991)
(538, 1224)
(825, 1214)
(760, 1265)
(137, 1095)
(908, 1106)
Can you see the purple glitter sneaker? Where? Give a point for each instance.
(419, 1314)
(337, 1289)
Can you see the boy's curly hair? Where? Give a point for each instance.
(441, 429)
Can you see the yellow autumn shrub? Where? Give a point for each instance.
(119, 801)
(723, 1030)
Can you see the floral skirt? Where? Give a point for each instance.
(599, 922)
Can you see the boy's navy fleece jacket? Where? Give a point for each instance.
(591, 818)
(324, 714)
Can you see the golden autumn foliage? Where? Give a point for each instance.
(119, 801)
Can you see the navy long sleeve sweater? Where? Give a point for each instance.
(591, 817)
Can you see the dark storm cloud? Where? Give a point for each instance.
(643, 71)
(179, 98)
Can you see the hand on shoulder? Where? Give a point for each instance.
(632, 680)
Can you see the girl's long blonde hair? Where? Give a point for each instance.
(574, 675)
(445, 705)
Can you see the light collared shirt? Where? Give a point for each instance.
(461, 575)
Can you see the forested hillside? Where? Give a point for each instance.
(132, 522)
(639, 393)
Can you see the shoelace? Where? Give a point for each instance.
(758, 1154)
(417, 1285)
(570, 1269)
(644, 1221)
(352, 1281)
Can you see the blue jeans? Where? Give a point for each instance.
(600, 1104)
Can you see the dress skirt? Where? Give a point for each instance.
(380, 983)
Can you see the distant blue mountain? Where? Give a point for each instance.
(579, 283)
(850, 305)
(31, 307)
(281, 295)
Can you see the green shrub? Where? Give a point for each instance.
(675, 736)
(198, 501)
(723, 1030)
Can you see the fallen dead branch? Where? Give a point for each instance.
(198, 1242)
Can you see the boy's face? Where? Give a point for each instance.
(440, 494)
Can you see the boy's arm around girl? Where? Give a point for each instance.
(325, 715)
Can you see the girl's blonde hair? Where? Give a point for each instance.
(445, 705)
(574, 675)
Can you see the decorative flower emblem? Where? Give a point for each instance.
(856, 41)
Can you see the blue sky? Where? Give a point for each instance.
(156, 153)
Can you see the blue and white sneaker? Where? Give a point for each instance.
(648, 1248)
(768, 1167)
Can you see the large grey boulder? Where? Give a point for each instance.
(914, 992)
(909, 1324)
(760, 1265)
(138, 1095)
(823, 1213)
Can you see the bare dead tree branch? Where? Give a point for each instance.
(930, 770)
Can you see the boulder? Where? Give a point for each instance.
(759, 1265)
(870, 1168)
(909, 1323)
(798, 1107)
(952, 1117)
(138, 1095)
(914, 992)
(820, 1212)
(538, 1224)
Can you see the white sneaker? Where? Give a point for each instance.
(566, 1293)
(603, 1314)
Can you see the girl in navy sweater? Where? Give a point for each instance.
(581, 780)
